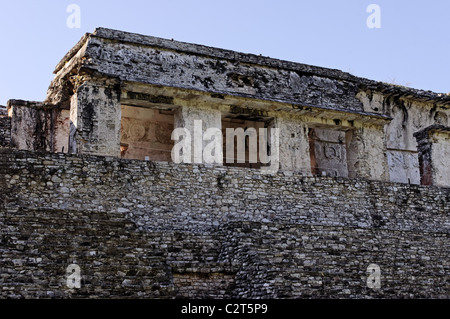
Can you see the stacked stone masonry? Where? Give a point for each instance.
(5, 131)
(156, 229)
(87, 177)
(5, 127)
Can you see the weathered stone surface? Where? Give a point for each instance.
(434, 151)
(403, 166)
(146, 133)
(3, 110)
(167, 74)
(36, 126)
(441, 156)
(186, 116)
(409, 115)
(5, 127)
(95, 119)
(151, 60)
(330, 152)
(366, 153)
(29, 125)
(324, 73)
(151, 229)
(294, 145)
(145, 59)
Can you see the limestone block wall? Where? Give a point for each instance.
(155, 229)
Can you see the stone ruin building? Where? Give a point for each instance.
(87, 178)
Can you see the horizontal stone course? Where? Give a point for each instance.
(144, 229)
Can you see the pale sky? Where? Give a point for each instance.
(411, 48)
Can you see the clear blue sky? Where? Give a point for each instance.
(412, 47)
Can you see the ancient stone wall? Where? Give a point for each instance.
(155, 229)
(34, 126)
(408, 117)
(30, 125)
(109, 69)
(5, 128)
(147, 229)
(150, 60)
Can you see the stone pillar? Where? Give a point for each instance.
(366, 153)
(60, 132)
(73, 124)
(434, 153)
(294, 145)
(186, 116)
(95, 116)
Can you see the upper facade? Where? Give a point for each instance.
(122, 94)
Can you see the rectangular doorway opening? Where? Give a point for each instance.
(146, 133)
(246, 141)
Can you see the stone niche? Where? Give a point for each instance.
(434, 153)
(328, 152)
(251, 143)
(403, 166)
(146, 133)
